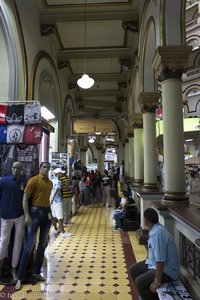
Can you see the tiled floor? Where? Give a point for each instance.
(92, 264)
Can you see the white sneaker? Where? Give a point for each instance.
(65, 234)
(56, 232)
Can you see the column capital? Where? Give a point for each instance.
(103, 150)
(126, 140)
(171, 61)
(129, 131)
(148, 101)
(136, 121)
(83, 148)
(99, 146)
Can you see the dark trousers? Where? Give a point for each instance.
(40, 220)
(143, 277)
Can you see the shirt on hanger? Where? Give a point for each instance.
(32, 134)
(3, 111)
(15, 134)
(32, 113)
(15, 114)
(3, 134)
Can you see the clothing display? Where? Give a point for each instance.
(20, 123)
(3, 134)
(15, 114)
(15, 134)
(32, 134)
(29, 156)
(20, 135)
(32, 113)
(3, 112)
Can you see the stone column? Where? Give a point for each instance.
(169, 63)
(99, 144)
(120, 154)
(83, 149)
(148, 102)
(126, 158)
(131, 155)
(138, 150)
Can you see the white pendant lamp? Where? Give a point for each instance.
(85, 82)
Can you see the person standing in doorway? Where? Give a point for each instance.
(12, 214)
(38, 189)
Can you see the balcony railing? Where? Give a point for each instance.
(190, 258)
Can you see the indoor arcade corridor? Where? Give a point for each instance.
(91, 264)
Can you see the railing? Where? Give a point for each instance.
(190, 258)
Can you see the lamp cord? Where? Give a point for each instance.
(85, 41)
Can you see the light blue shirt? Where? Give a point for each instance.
(161, 247)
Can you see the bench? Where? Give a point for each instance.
(174, 290)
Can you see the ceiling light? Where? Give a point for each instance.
(91, 140)
(46, 114)
(85, 82)
(97, 133)
(189, 140)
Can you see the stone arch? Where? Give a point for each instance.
(192, 100)
(45, 87)
(66, 122)
(197, 60)
(194, 41)
(147, 55)
(13, 60)
(44, 70)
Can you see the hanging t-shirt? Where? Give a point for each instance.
(15, 114)
(32, 134)
(3, 134)
(32, 113)
(29, 156)
(3, 111)
(15, 134)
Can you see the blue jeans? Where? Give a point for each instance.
(40, 220)
(117, 215)
(86, 193)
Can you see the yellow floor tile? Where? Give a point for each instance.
(92, 264)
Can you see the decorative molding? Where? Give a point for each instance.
(132, 26)
(83, 148)
(99, 146)
(149, 101)
(129, 131)
(172, 58)
(136, 121)
(63, 64)
(47, 29)
(122, 85)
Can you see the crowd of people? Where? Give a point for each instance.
(38, 203)
(41, 202)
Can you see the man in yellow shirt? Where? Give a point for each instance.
(38, 189)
